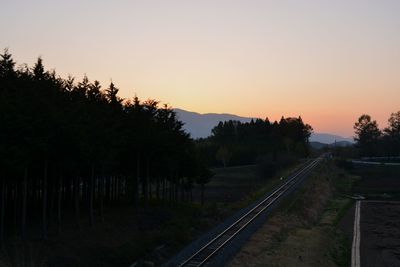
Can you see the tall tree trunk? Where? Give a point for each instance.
(144, 186)
(202, 194)
(158, 188)
(148, 182)
(91, 188)
(137, 179)
(59, 198)
(113, 188)
(44, 203)
(15, 201)
(84, 190)
(76, 201)
(176, 185)
(67, 189)
(182, 186)
(107, 189)
(116, 182)
(164, 188)
(24, 200)
(171, 187)
(2, 211)
(101, 198)
(150, 187)
(53, 201)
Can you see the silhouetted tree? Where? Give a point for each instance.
(392, 134)
(202, 179)
(223, 155)
(367, 134)
(7, 65)
(248, 142)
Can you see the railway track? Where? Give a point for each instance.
(202, 256)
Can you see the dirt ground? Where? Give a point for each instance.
(380, 234)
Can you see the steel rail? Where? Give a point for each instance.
(201, 256)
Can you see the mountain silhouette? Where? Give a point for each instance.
(200, 126)
(319, 145)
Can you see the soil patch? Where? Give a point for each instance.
(380, 234)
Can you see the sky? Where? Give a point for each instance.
(328, 61)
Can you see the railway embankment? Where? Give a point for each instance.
(306, 230)
(219, 245)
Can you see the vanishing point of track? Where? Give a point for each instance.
(202, 256)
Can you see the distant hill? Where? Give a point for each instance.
(343, 143)
(319, 145)
(200, 125)
(329, 138)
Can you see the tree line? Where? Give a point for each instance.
(237, 143)
(72, 146)
(372, 141)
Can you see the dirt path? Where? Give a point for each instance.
(355, 250)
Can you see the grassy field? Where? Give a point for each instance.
(379, 182)
(237, 187)
(304, 231)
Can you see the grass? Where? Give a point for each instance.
(378, 182)
(266, 185)
(304, 231)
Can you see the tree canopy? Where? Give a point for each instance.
(371, 141)
(235, 142)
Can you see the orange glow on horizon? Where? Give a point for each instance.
(327, 61)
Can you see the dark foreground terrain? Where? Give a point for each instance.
(377, 182)
(127, 236)
(380, 215)
(380, 234)
(321, 234)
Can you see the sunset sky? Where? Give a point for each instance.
(328, 61)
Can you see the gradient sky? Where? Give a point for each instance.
(328, 61)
